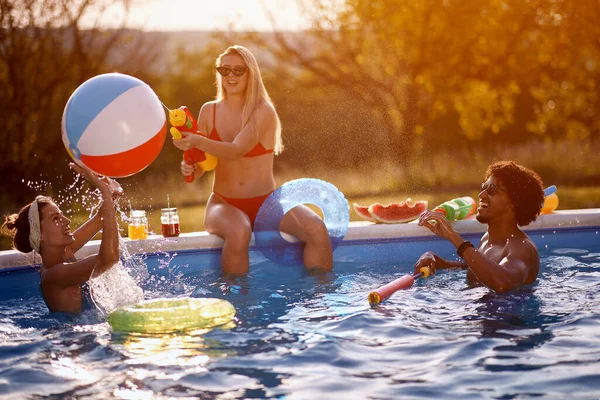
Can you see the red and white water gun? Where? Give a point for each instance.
(181, 119)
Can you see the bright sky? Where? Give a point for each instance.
(173, 15)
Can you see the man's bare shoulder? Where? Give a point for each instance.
(523, 251)
(522, 244)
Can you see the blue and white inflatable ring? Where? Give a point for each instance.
(324, 195)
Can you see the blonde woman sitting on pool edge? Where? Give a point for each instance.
(41, 226)
(244, 132)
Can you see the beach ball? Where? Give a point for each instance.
(114, 124)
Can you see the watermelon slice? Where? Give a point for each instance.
(397, 213)
(363, 212)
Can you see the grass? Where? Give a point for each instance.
(192, 217)
(562, 163)
(572, 166)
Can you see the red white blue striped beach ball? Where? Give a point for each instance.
(114, 124)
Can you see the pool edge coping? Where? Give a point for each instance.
(358, 231)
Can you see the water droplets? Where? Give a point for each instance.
(39, 186)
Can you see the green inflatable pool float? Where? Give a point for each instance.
(172, 315)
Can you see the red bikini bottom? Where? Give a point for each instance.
(249, 205)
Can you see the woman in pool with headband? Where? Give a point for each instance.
(245, 134)
(41, 226)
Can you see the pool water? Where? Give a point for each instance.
(304, 336)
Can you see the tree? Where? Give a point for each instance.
(568, 59)
(45, 54)
(436, 70)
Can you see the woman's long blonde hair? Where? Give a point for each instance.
(256, 93)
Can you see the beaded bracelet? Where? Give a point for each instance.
(463, 246)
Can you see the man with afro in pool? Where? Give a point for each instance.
(506, 257)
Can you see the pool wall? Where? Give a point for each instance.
(364, 242)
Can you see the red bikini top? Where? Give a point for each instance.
(258, 150)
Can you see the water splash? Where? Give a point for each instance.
(119, 286)
(169, 277)
(115, 288)
(39, 186)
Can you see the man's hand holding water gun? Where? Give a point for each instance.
(181, 120)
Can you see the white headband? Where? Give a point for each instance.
(34, 225)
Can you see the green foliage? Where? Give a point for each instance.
(190, 79)
(377, 97)
(44, 57)
(503, 69)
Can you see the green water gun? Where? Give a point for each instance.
(459, 208)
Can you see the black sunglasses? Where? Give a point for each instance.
(490, 188)
(237, 71)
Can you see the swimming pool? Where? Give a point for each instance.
(298, 335)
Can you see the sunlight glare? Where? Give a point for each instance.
(205, 15)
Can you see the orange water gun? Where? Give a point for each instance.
(550, 200)
(181, 119)
(405, 282)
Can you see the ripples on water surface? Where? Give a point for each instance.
(315, 337)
